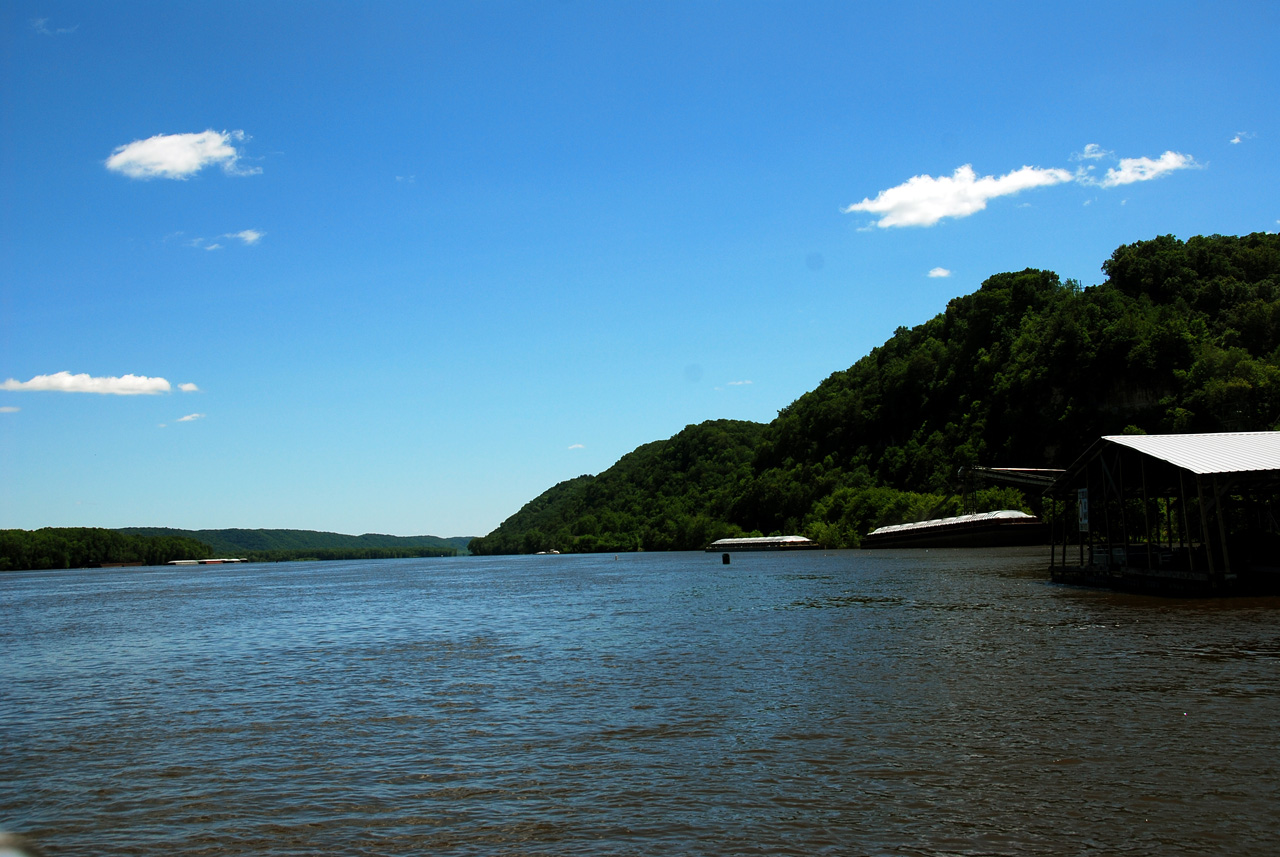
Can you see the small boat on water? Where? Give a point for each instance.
(1004, 528)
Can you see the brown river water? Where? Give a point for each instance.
(909, 702)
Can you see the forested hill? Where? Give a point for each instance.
(667, 495)
(237, 542)
(1182, 336)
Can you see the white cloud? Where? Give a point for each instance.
(1091, 152)
(939, 272)
(1145, 169)
(738, 383)
(65, 382)
(188, 388)
(577, 446)
(190, 418)
(9, 409)
(1241, 136)
(248, 236)
(178, 156)
(41, 26)
(924, 200)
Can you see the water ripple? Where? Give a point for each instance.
(844, 703)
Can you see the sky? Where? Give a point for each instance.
(401, 267)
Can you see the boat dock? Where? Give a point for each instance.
(1192, 513)
(762, 543)
(1004, 528)
(222, 561)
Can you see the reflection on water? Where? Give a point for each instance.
(937, 702)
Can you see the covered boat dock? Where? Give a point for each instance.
(762, 543)
(982, 529)
(1186, 512)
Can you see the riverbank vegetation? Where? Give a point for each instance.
(88, 547)
(1182, 336)
(274, 545)
(85, 547)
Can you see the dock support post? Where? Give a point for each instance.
(1218, 495)
(1186, 525)
(1204, 529)
(1146, 519)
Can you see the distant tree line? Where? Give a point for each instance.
(1182, 336)
(243, 542)
(91, 547)
(343, 553)
(86, 547)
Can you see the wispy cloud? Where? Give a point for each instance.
(188, 388)
(190, 418)
(924, 200)
(179, 156)
(1241, 136)
(41, 26)
(1091, 152)
(9, 409)
(248, 236)
(939, 272)
(1145, 169)
(65, 382)
(739, 383)
(577, 446)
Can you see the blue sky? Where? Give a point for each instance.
(400, 267)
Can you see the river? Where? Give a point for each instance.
(899, 702)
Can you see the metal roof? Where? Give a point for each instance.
(761, 540)
(1205, 454)
(951, 522)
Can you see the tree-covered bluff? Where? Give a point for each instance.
(674, 494)
(1182, 336)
